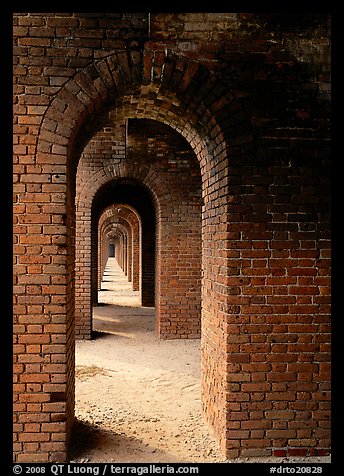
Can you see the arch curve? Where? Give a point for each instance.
(107, 218)
(209, 117)
(191, 100)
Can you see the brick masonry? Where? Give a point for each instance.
(215, 129)
(120, 226)
(160, 150)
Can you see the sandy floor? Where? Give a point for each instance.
(138, 397)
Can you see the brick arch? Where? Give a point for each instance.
(124, 225)
(88, 188)
(87, 235)
(134, 221)
(195, 103)
(120, 229)
(190, 99)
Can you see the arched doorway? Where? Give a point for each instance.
(135, 197)
(265, 217)
(109, 217)
(204, 117)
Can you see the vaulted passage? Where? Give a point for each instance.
(116, 289)
(115, 199)
(168, 209)
(195, 147)
(149, 407)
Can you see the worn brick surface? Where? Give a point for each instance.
(215, 129)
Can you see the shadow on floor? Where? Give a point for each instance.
(84, 438)
(89, 437)
(99, 335)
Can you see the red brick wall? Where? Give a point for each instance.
(179, 225)
(249, 96)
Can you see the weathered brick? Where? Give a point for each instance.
(241, 187)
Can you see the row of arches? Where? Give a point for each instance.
(110, 131)
(214, 127)
(170, 223)
(119, 236)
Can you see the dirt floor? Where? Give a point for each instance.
(138, 397)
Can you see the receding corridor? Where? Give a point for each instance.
(137, 397)
(194, 149)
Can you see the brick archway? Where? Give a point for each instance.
(87, 235)
(108, 217)
(121, 235)
(266, 226)
(184, 95)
